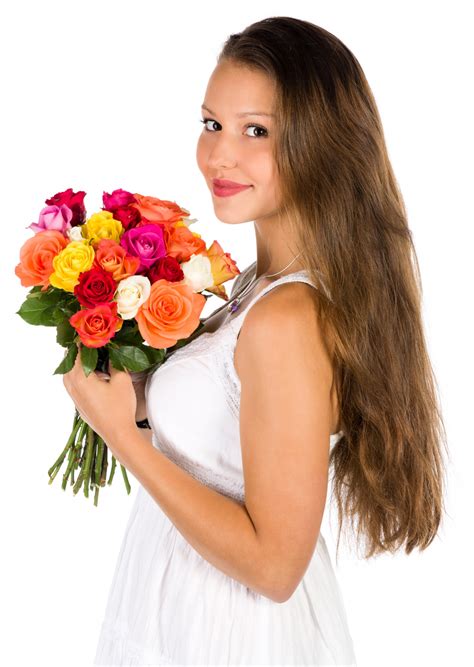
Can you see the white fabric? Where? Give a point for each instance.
(167, 604)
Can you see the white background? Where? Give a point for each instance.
(103, 95)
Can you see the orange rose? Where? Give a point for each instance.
(182, 243)
(222, 265)
(36, 258)
(158, 210)
(112, 257)
(170, 313)
(96, 326)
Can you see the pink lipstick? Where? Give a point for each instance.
(225, 188)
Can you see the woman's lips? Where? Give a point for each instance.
(226, 190)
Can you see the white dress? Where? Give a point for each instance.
(167, 605)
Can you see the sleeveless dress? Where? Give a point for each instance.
(167, 605)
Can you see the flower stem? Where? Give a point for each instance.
(112, 469)
(52, 472)
(72, 451)
(125, 479)
(90, 445)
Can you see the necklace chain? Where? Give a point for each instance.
(235, 303)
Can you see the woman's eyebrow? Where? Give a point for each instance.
(244, 113)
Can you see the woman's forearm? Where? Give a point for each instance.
(218, 527)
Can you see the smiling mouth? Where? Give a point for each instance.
(228, 191)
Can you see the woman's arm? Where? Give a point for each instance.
(218, 527)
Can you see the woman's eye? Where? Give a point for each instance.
(208, 120)
(255, 136)
(261, 129)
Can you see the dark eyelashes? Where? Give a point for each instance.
(206, 120)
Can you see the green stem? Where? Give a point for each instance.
(125, 479)
(52, 472)
(112, 469)
(90, 445)
(105, 463)
(72, 457)
(98, 463)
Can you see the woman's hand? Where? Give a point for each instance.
(107, 405)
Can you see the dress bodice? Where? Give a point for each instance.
(193, 402)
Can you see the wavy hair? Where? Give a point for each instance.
(341, 198)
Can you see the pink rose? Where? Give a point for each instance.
(117, 199)
(145, 242)
(53, 217)
(75, 201)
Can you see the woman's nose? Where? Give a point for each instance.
(223, 153)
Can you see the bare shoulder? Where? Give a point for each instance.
(281, 319)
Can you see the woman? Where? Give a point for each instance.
(319, 364)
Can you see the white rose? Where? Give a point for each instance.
(75, 233)
(130, 294)
(197, 272)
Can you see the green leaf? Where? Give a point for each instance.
(36, 311)
(154, 354)
(89, 356)
(115, 359)
(128, 334)
(68, 362)
(65, 334)
(129, 356)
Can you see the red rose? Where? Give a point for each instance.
(168, 268)
(98, 325)
(128, 216)
(95, 287)
(75, 201)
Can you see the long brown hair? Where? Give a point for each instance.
(341, 197)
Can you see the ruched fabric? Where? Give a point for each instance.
(167, 605)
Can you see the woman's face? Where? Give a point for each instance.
(237, 146)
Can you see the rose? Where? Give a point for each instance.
(102, 225)
(131, 293)
(75, 233)
(182, 243)
(145, 242)
(36, 258)
(112, 257)
(95, 287)
(76, 257)
(223, 268)
(170, 313)
(118, 199)
(53, 217)
(158, 210)
(168, 268)
(198, 272)
(74, 200)
(96, 326)
(128, 216)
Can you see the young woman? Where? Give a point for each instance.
(317, 365)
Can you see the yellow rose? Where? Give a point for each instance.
(76, 257)
(102, 225)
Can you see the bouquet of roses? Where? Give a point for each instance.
(124, 285)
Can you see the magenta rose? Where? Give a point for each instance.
(168, 268)
(53, 217)
(145, 242)
(95, 287)
(117, 199)
(74, 200)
